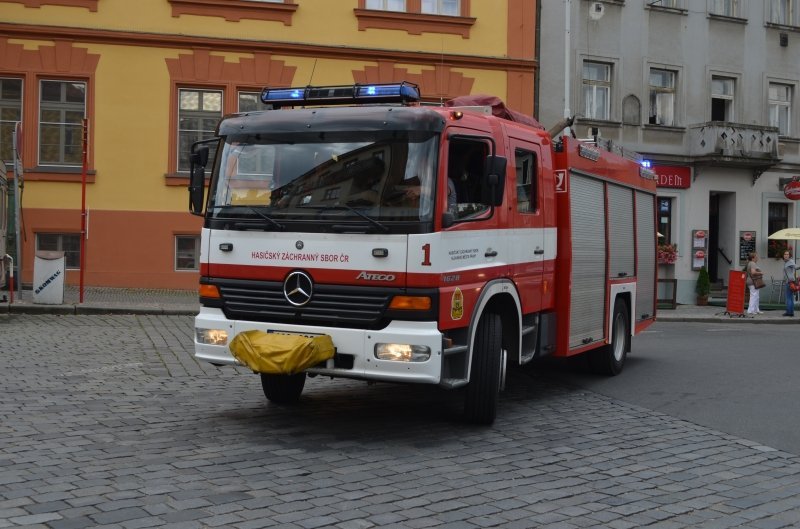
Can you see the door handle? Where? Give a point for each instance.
(490, 253)
(538, 251)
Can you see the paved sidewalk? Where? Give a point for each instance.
(103, 300)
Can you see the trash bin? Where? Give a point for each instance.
(48, 278)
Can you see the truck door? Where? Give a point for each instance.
(532, 246)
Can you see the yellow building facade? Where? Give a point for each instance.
(152, 76)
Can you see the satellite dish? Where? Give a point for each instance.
(596, 10)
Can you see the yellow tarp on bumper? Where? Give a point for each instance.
(280, 354)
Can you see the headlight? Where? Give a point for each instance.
(399, 352)
(212, 336)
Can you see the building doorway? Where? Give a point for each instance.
(722, 249)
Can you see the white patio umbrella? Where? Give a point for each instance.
(786, 234)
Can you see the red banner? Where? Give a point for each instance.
(674, 176)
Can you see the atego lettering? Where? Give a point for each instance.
(375, 277)
(48, 281)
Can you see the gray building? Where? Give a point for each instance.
(707, 92)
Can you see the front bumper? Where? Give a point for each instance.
(357, 343)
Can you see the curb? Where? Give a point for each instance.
(89, 310)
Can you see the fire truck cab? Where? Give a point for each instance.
(434, 245)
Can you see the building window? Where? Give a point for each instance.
(441, 7)
(726, 8)
(780, 108)
(386, 5)
(69, 243)
(199, 111)
(10, 114)
(61, 112)
(596, 90)
(416, 17)
(187, 252)
(665, 220)
(723, 91)
(662, 97)
(777, 219)
(526, 181)
(783, 12)
(251, 102)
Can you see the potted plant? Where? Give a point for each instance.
(667, 253)
(703, 287)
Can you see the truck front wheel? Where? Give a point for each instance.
(610, 359)
(483, 390)
(283, 389)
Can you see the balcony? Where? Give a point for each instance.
(734, 144)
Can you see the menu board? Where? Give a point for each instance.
(747, 245)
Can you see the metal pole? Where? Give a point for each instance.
(83, 205)
(17, 208)
(567, 53)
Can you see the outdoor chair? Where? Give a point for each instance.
(776, 284)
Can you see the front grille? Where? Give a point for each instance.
(330, 306)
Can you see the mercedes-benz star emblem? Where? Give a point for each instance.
(298, 288)
(299, 245)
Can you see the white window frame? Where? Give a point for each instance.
(591, 88)
(387, 5)
(451, 8)
(69, 255)
(659, 95)
(195, 257)
(726, 8)
(783, 12)
(718, 81)
(66, 128)
(781, 107)
(198, 134)
(7, 125)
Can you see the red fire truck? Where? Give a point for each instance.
(434, 245)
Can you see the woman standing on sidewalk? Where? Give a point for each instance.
(752, 269)
(788, 276)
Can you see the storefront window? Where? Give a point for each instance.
(778, 219)
(665, 220)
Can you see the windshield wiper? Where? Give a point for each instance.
(243, 223)
(343, 207)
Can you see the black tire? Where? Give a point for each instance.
(610, 360)
(283, 389)
(483, 390)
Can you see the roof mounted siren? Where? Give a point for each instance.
(357, 94)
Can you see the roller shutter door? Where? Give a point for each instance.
(620, 232)
(646, 254)
(587, 295)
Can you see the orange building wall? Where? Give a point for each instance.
(125, 248)
(134, 56)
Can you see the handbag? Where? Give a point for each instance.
(793, 286)
(758, 282)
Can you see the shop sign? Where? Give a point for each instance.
(792, 190)
(674, 176)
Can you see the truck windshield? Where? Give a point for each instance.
(377, 177)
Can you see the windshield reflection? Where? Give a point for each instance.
(386, 179)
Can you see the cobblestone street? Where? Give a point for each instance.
(108, 421)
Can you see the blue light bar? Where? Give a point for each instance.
(403, 92)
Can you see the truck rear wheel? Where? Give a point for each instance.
(610, 359)
(283, 389)
(483, 390)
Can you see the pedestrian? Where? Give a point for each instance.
(788, 277)
(753, 272)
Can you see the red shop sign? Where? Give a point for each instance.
(792, 190)
(674, 176)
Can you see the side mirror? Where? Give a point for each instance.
(198, 160)
(495, 179)
(448, 219)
